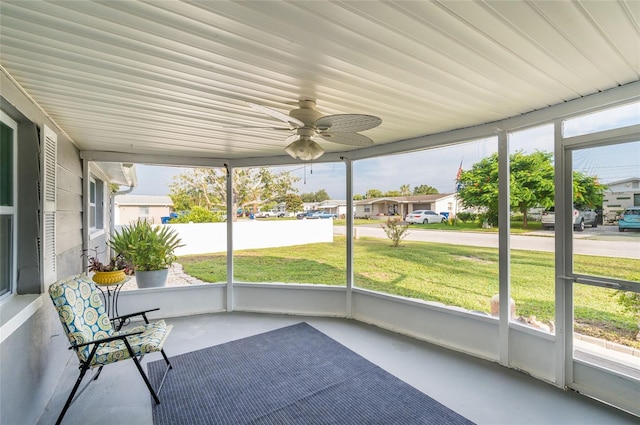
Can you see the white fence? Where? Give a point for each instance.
(203, 238)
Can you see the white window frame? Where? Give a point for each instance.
(93, 204)
(12, 210)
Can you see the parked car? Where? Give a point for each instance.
(580, 218)
(306, 214)
(630, 219)
(263, 214)
(425, 217)
(323, 214)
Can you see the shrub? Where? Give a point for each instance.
(200, 215)
(395, 230)
(466, 216)
(630, 301)
(517, 217)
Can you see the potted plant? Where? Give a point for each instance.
(115, 271)
(150, 249)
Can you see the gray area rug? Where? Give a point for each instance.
(294, 375)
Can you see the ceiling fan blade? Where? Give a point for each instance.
(351, 139)
(346, 123)
(277, 114)
(242, 127)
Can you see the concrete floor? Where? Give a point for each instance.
(484, 392)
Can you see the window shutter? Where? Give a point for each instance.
(48, 163)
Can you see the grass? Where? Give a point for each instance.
(455, 275)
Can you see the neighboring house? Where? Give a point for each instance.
(402, 205)
(620, 195)
(131, 207)
(333, 206)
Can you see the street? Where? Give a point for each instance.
(603, 241)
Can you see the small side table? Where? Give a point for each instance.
(110, 294)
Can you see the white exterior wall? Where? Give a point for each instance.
(130, 213)
(447, 204)
(203, 238)
(620, 196)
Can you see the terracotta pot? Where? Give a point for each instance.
(109, 278)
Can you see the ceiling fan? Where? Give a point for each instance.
(309, 124)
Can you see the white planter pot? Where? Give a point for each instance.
(152, 279)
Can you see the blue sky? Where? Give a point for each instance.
(438, 167)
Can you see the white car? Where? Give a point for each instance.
(580, 219)
(425, 217)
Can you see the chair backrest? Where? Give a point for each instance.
(81, 312)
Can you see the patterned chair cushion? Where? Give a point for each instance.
(151, 339)
(83, 317)
(81, 312)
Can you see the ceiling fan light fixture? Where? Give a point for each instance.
(304, 149)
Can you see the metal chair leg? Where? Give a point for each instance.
(144, 375)
(166, 359)
(83, 370)
(146, 380)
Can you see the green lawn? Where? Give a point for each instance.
(454, 275)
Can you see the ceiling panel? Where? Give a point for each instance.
(175, 77)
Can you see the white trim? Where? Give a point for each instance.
(93, 215)
(13, 209)
(16, 311)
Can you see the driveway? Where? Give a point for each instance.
(604, 241)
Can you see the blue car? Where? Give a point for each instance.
(323, 214)
(630, 219)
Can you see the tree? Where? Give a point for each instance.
(358, 197)
(405, 190)
(479, 186)
(425, 189)
(293, 202)
(318, 196)
(308, 197)
(322, 195)
(252, 187)
(531, 181)
(588, 192)
(531, 185)
(373, 193)
(393, 193)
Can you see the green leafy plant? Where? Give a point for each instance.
(395, 230)
(630, 301)
(200, 215)
(467, 217)
(146, 246)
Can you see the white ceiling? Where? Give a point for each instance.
(167, 77)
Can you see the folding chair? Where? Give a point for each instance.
(95, 341)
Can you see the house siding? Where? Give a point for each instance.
(34, 355)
